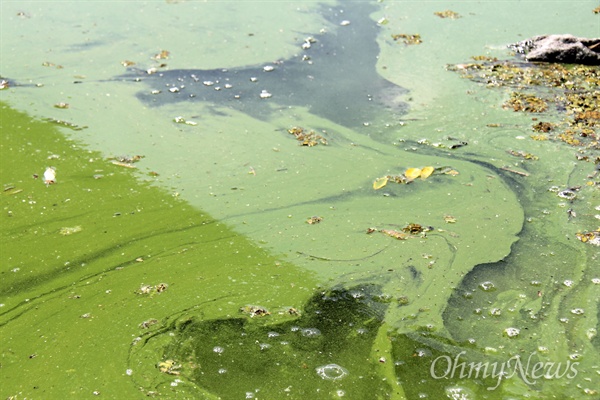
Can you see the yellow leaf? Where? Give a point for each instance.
(412, 173)
(426, 172)
(380, 182)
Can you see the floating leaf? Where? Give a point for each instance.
(426, 172)
(412, 173)
(380, 182)
(394, 234)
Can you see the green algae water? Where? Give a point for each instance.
(196, 274)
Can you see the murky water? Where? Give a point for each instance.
(197, 274)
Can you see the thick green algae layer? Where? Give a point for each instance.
(71, 305)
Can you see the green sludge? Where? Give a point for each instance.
(71, 305)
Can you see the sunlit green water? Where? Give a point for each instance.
(401, 304)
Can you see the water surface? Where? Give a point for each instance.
(511, 259)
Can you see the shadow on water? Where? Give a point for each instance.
(316, 352)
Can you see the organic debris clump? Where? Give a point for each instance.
(571, 91)
(309, 139)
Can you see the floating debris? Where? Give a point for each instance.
(394, 233)
(66, 231)
(163, 55)
(126, 161)
(254, 311)
(4, 84)
(571, 89)
(544, 127)
(380, 182)
(309, 139)
(522, 154)
(591, 237)
(265, 95)
(268, 68)
(408, 39)
(61, 105)
(512, 332)
(151, 289)
(447, 14)
(449, 219)
(65, 124)
(148, 323)
(49, 64)
(127, 63)
(169, 367)
(314, 220)
(181, 120)
(526, 102)
(415, 229)
(11, 189)
(409, 176)
(514, 171)
(50, 176)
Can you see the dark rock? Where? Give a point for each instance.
(566, 49)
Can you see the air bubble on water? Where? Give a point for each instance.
(222, 371)
(575, 356)
(310, 332)
(564, 320)
(272, 334)
(495, 312)
(249, 395)
(332, 372)
(577, 311)
(340, 393)
(568, 283)
(264, 346)
(362, 331)
(295, 328)
(596, 281)
(535, 283)
(129, 372)
(543, 349)
(487, 286)
(218, 349)
(591, 333)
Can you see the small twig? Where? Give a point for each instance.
(515, 171)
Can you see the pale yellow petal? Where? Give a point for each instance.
(380, 182)
(412, 173)
(426, 172)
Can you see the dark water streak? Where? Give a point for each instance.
(336, 78)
